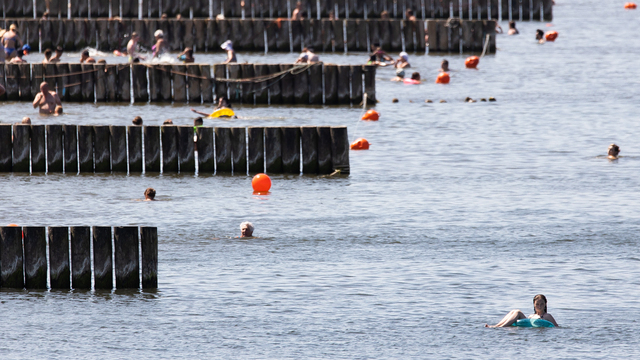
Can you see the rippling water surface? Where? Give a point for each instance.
(459, 213)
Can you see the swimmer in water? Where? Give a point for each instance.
(399, 75)
(58, 111)
(11, 42)
(48, 101)
(231, 54)
(132, 48)
(403, 61)
(612, 153)
(56, 58)
(512, 28)
(186, 56)
(444, 66)
(137, 121)
(161, 45)
(168, 122)
(540, 36)
(540, 312)
(84, 57)
(150, 194)
(246, 230)
(415, 76)
(223, 102)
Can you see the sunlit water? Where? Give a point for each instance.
(459, 213)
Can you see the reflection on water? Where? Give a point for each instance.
(458, 213)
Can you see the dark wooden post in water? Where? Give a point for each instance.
(291, 150)
(169, 149)
(35, 257)
(186, 154)
(344, 84)
(151, 149)
(309, 136)
(206, 84)
(273, 149)
(325, 160)
(301, 87)
(223, 150)
(21, 148)
(38, 161)
(220, 72)
(135, 148)
(370, 84)
(239, 150)
(88, 73)
(140, 93)
(55, 155)
(70, 148)
(11, 257)
(206, 159)
(286, 85)
(330, 84)
(340, 149)
(193, 73)
(80, 257)
(356, 84)
(5, 148)
(256, 150)
(102, 153)
(85, 148)
(102, 260)
(149, 245)
(126, 257)
(124, 82)
(118, 149)
(179, 83)
(59, 257)
(315, 84)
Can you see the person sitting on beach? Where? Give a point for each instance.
(47, 56)
(56, 58)
(444, 66)
(613, 151)
(18, 58)
(410, 15)
(58, 111)
(137, 121)
(46, 100)
(150, 194)
(297, 12)
(540, 312)
(540, 36)
(161, 45)
(512, 28)
(132, 48)
(11, 42)
(231, 55)
(246, 230)
(307, 56)
(403, 61)
(399, 75)
(186, 56)
(84, 57)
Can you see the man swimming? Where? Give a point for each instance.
(46, 100)
(246, 230)
(150, 194)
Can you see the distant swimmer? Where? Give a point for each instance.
(85, 58)
(307, 57)
(56, 58)
(11, 42)
(444, 66)
(403, 61)
(150, 194)
(58, 110)
(223, 103)
(137, 121)
(26, 120)
(132, 48)
(46, 100)
(231, 55)
(512, 28)
(246, 230)
(540, 312)
(540, 36)
(161, 45)
(186, 56)
(613, 152)
(399, 75)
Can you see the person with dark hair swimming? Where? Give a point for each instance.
(613, 151)
(540, 312)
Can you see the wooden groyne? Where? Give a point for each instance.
(170, 149)
(203, 35)
(349, 9)
(455, 36)
(250, 84)
(28, 269)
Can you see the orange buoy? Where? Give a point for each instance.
(472, 62)
(630, 5)
(443, 78)
(13, 225)
(360, 144)
(551, 36)
(261, 183)
(371, 115)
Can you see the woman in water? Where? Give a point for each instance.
(160, 46)
(231, 55)
(540, 312)
(11, 42)
(612, 153)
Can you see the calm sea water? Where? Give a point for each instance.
(459, 213)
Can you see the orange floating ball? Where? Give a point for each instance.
(371, 115)
(551, 36)
(261, 183)
(13, 225)
(443, 78)
(472, 62)
(360, 144)
(630, 5)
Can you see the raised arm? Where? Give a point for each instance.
(36, 101)
(200, 112)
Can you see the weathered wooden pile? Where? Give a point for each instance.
(194, 83)
(349, 9)
(171, 149)
(24, 257)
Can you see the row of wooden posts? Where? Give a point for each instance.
(24, 260)
(194, 83)
(203, 35)
(316, 9)
(171, 149)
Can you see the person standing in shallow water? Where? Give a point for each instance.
(46, 100)
(540, 312)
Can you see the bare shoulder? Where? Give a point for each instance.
(550, 318)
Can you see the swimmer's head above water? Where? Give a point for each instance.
(58, 110)
(540, 304)
(149, 194)
(613, 151)
(246, 229)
